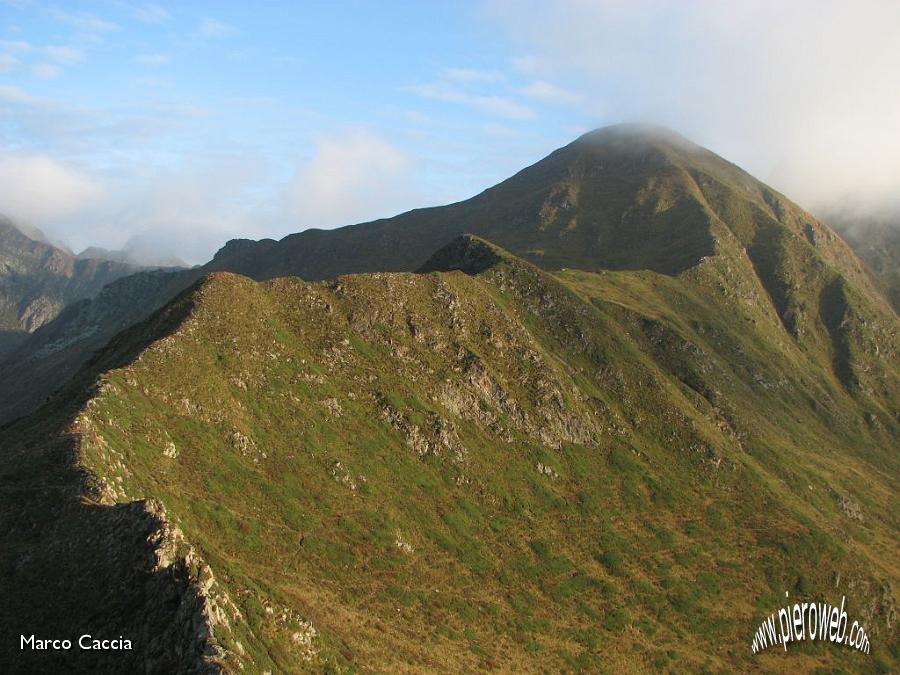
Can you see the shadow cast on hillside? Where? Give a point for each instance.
(71, 566)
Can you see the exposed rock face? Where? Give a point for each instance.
(184, 612)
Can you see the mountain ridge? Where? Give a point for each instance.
(624, 198)
(629, 162)
(498, 466)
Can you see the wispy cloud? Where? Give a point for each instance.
(83, 21)
(190, 209)
(213, 28)
(15, 46)
(62, 129)
(473, 75)
(63, 53)
(501, 106)
(55, 55)
(550, 93)
(139, 191)
(16, 95)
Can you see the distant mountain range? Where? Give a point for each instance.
(604, 414)
(131, 257)
(876, 240)
(37, 280)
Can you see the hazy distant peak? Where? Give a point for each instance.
(29, 231)
(99, 253)
(635, 132)
(131, 257)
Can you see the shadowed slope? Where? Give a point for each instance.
(76, 562)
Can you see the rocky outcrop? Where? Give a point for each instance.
(467, 253)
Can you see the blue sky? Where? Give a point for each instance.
(176, 126)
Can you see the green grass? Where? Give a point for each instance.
(679, 483)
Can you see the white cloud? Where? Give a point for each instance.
(550, 93)
(802, 93)
(83, 21)
(12, 94)
(354, 176)
(501, 106)
(105, 136)
(187, 203)
(39, 190)
(56, 54)
(63, 54)
(473, 75)
(46, 71)
(214, 28)
(189, 210)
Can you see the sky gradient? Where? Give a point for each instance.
(174, 127)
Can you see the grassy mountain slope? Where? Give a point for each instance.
(478, 466)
